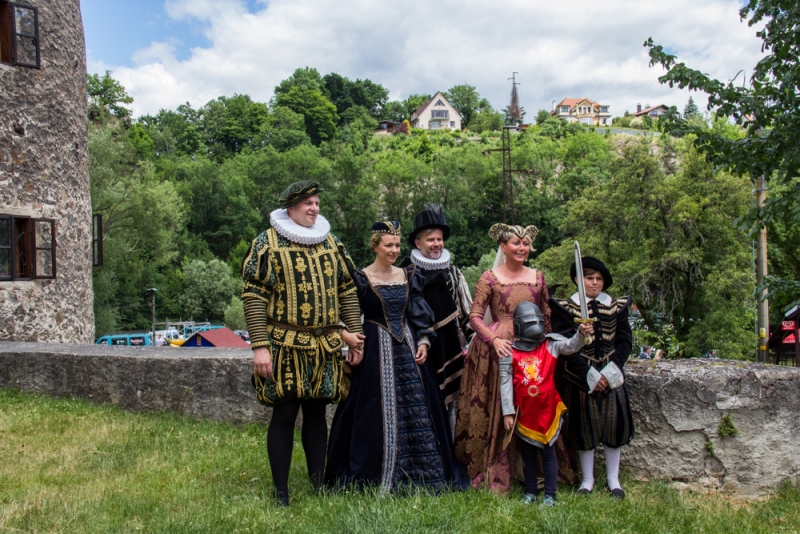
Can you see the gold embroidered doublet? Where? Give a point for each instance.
(301, 285)
(605, 327)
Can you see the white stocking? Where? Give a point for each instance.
(612, 467)
(587, 469)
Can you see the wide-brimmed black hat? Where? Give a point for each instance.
(594, 264)
(432, 217)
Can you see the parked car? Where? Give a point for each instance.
(133, 339)
(244, 334)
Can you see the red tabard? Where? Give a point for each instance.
(540, 406)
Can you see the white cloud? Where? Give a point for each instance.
(584, 48)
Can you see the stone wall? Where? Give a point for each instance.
(44, 174)
(677, 406)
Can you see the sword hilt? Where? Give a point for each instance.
(587, 340)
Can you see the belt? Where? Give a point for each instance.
(315, 330)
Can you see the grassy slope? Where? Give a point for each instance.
(69, 466)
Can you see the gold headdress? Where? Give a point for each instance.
(382, 228)
(500, 231)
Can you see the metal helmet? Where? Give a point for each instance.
(529, 328)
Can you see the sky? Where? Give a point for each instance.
(169, 52)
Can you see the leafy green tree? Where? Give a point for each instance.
(541, 116)
(230, 124)
(682, 261)
(106, 97)
(465, 99)
(143, 218)
(319, 114)
(767, 107)
(284, 129)
(306, 79)
(486, 120)
(209, 288)
(234, 315)
(413, 102)
(394, 111)
(175, 132)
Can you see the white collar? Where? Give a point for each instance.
(284, 225)
(603, 298)
(426, 263)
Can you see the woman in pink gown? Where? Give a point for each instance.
(479, 429)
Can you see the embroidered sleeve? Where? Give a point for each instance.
(257, 270)
(349, 309)
(483, 295)
(259, 278)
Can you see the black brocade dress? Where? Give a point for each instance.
(392, 431)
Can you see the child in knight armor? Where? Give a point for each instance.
(527, 389)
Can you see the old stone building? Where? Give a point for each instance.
(45, 210)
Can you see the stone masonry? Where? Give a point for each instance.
(44, 174)
(677, 405)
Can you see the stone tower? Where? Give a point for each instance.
(45, 210)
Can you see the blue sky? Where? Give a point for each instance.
(167, 52)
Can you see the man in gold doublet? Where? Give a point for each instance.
(298, 290)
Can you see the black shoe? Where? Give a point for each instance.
(281, 499)
(585, 492)
(618, 493)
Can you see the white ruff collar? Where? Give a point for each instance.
(426, 263)
(284, 225)
(603, 298)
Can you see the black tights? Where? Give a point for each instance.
(280, 440)
(530, 468)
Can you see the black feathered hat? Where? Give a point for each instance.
(590, 262)
(432, 217)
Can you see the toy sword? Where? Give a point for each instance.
(582, 293)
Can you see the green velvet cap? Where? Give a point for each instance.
(299, 191)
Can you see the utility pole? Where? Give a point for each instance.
(153, 305)
(761, 272)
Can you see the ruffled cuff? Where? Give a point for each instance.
(613, 374)
(593, 378)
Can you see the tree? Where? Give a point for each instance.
(229, 124)
(542, 116)
(413, 102)
(209, 288)
(344, 94)
(508, 120)
(319, 114)
(691, 109)
(682, 261)
(106, 97)
(284, 129)
(394, 111)
(767, 107)
(307, 79)
(465, 99)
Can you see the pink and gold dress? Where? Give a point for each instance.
(479, 426)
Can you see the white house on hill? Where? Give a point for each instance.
(436, 114)
(582, 110)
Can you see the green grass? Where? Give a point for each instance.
(70, 466)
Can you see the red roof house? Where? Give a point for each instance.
(219, 337)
